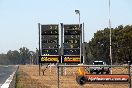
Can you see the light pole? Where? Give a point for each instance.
(110, 38)
(78, 12)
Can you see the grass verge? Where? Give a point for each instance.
(19, 77)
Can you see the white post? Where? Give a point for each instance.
(50, 67)
(110, 37)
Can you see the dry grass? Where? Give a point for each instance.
(28, 77)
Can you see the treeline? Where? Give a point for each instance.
(99, 46)
(21, 56)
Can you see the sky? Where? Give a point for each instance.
(19, 18)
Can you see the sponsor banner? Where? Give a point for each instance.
(107, 78)
(72, 59)
(49, 59)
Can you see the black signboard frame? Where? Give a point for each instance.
(71, 42)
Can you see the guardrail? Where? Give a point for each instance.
(13, 81)
(102, 78)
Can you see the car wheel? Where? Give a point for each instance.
(107, 72)
(81, 80)
(102, 72)
(91, 72)
(97, 72)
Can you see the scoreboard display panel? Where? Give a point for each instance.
(71, 43)
(49, 43)
(72, 59)
(49, 59)
(50, 51)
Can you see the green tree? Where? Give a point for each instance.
(121, 45)
(24, 55)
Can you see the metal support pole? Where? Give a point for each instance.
(129, 73)
(62, 37)
(78, 12)
(61, 71)
(61, 47)
(39, 47)
(80, 37)
(80, 27)
(83, 46)
(110, 37)
(80, 42)
(58, 74)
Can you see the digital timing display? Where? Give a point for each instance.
(71, 45)
(50, 51)
(71, 51)
(50, 39)
(72, 39)
(49, 59)
(72, 59)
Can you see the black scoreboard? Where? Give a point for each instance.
(71, 43)
(49, 43)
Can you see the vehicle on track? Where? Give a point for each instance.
(100, 69)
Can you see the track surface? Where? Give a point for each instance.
(5, 72)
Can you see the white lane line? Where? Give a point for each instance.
(8, 81)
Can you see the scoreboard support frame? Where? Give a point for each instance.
(80, 27)
(83, 44)
(47, 30)
(39, 45)
(78, 31)
(62, 37)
